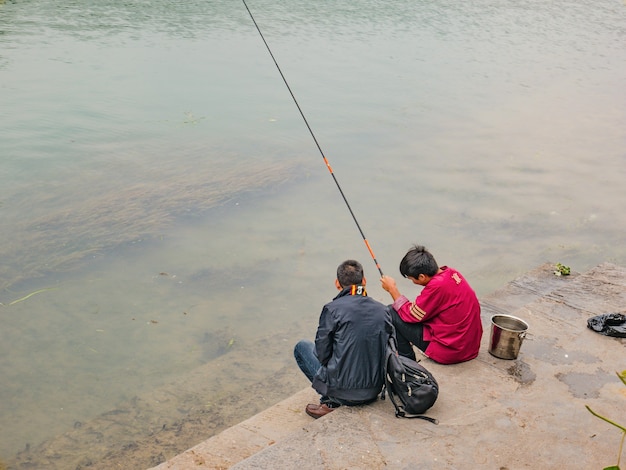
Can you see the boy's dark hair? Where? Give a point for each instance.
(350, 273)
(418, 260)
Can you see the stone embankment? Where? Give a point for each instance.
(493, 413)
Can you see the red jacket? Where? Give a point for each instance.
(450, 312)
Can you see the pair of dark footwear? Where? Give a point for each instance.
(317, 410)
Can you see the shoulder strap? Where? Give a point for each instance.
(424, 417)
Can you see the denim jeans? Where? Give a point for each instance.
(304, 352)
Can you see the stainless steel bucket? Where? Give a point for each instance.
(507, 334)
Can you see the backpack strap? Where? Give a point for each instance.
(424, 417)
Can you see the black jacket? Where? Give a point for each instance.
(350, 344)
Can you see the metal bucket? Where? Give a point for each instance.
(507, 333)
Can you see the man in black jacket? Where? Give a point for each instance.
(346, 362)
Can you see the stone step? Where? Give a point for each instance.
(493, 413)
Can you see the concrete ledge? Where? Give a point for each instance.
(493, 413)
(248, 437)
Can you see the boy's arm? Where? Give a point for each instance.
(401, 304)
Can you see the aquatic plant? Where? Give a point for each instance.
(562, 270)
(622, 377)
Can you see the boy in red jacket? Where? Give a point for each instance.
(444, 321)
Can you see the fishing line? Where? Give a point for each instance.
(367, 244)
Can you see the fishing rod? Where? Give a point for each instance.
(367, 244)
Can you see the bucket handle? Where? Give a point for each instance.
(522, 335)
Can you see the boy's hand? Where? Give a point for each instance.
(388, 283)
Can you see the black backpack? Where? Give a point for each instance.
(411, 388)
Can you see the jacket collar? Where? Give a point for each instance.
(357, 290)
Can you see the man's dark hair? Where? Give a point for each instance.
(418, 260)
(349, 273)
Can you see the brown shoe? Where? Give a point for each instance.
(317, 411)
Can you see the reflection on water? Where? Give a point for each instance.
(165, 212)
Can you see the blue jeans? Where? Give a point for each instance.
(304, 352)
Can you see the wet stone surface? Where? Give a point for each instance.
(547, 349)
(585, 385)
(522, 372)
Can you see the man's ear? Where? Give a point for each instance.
(364, 281)
(337, 285)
